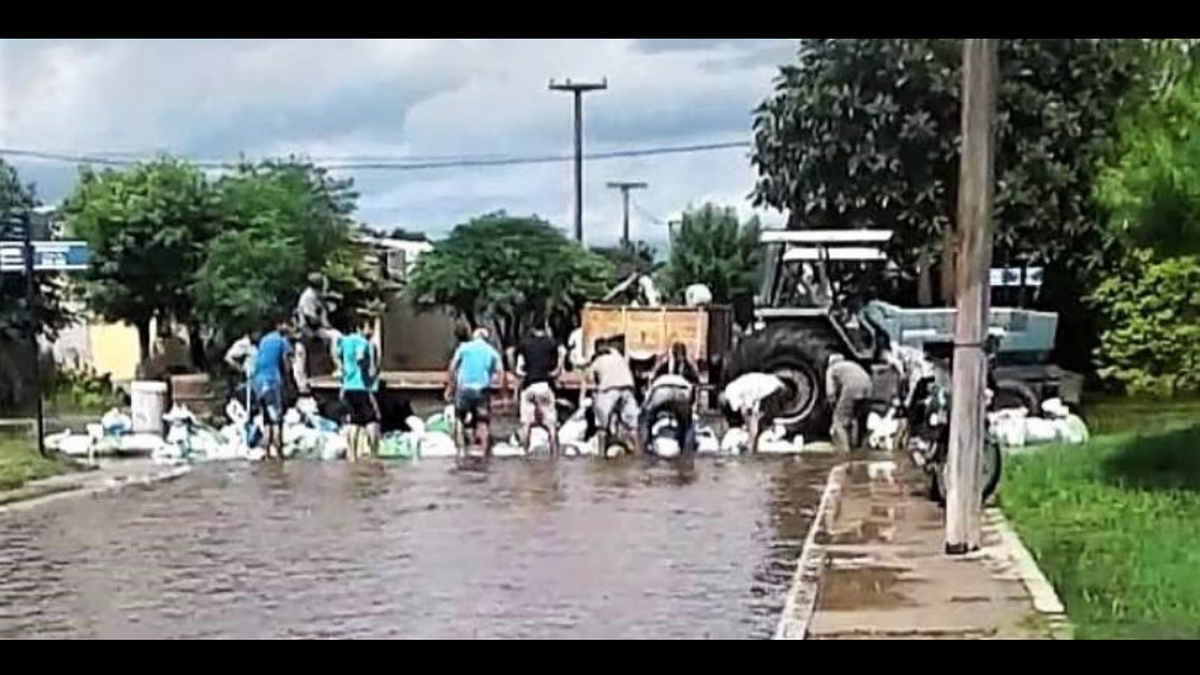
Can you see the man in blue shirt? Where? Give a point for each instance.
(271, 362)
(469, 384)
(359, 370)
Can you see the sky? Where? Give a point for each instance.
(220, 99)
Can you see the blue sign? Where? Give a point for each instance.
(48, 256)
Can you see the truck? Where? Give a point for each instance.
(820, 297)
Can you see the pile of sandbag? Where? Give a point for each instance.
(425, 439)
(736, 441)
(111, 436)
(1015, 428)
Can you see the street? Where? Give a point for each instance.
(529, 549)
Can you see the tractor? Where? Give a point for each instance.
(820, 296)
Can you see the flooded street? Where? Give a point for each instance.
(531, 549)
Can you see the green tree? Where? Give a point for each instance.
(17, 201)
(629, 258)
(864, 133)
(711, 247)
(1151, 183)
(280, 220)
(148, 228)
(512, 271)
(1151, 338)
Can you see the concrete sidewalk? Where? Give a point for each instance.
(108, 476)
(881, 572)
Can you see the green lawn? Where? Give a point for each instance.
(1115, 524)
(20, 463)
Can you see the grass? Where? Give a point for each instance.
(21, 463)
(1115, 524)
(1109, 415)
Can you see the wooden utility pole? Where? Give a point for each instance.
(578, 89)
(625, 187)
(964, 503)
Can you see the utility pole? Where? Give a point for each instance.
(625, 187)
(578, 89)
(964, 503)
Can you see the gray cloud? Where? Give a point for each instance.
(216, 99)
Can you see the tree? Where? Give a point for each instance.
(17, 201)
(147, 228)
(512, 271)
(1151, 183)
(629, 258)
(711, 247)
(1151, 338)
(864, 133)
(280, 220)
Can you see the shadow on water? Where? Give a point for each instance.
(1168, 461)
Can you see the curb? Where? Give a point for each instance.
(802, 596)
(107, 485)
(1011, 552)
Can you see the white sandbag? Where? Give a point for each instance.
(416, 425)
(882, 430)
(1054, 408)
(333, 446)
(1040, 431)
(697, 295)
(1008, 427)
(167, 454)
(75, 445)
(437, 444)
(580, 448)
(665, 447)
(507, 450)
(54, 440)
(707, 442)
(735, 441)
(775, 441)
(140, 443)
(572, 431)
(1073, 430)
(236, 413)
(306, 406)
(751, 389)
(292, 418)
(539, 441)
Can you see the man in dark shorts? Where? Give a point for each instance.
(270, 363)
(469, 384)
(359, 375)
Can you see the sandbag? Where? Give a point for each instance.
(437, 444)
(735, 441)
(707, 442)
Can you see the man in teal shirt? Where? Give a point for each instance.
(359, 369)
(474, 366)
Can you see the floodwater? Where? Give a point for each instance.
(527, 549)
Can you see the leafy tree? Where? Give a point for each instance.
(864, 133)
(147, 228)
(512, 271)
(629, 258)
(17, 200)
(280, 221)
(1151, 338)
(1151, 185)
(711, 247)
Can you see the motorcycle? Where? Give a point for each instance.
(926, 431)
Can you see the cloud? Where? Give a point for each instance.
(340, 98)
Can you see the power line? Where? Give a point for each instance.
(399, 164)
(646, 214)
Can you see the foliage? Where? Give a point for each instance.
(513, 271)
(1115, 525)
(83, 392)
(147, 228)
(1151, 312)
(16, 202)
(1151, 184)
(864, 133)
(629, 258)
(20, 463)
(279, 222)
(711, 247)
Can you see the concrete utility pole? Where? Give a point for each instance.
(964, 503)
(625, 187)
(578, 89)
